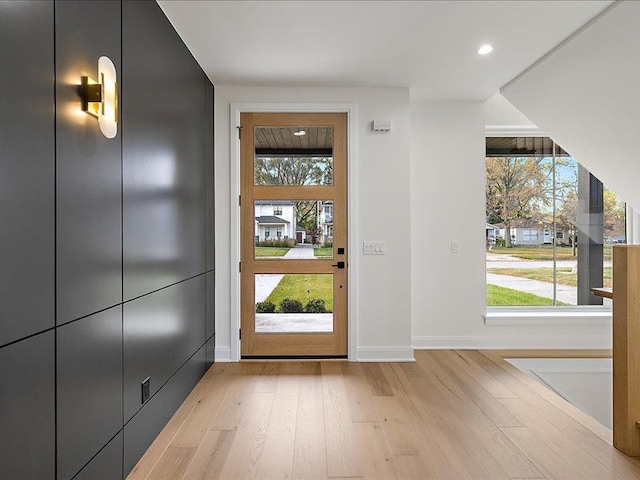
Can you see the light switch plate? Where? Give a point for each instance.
(374, 248)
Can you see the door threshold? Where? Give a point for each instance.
(286, 358)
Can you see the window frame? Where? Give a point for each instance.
(557, 315)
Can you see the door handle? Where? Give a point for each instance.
(339, 265)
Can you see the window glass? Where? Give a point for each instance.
(293, 156)
(293, 229)
(550, 226)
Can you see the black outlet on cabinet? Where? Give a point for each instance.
(146, 389)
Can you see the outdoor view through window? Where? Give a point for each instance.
(550, 225)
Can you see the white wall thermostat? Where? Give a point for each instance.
(382, 125)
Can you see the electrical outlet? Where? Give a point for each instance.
(146, 389)
(374, 248)
(455, 246)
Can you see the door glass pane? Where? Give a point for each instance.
(293, 229)
(293, 155)
(294, 303)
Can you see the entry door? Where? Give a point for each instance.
(294, 256)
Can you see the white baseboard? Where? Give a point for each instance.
(223, 354)
(513, 342)
(385, 354)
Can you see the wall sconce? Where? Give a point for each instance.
(101, 99)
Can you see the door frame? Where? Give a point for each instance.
(352, 228)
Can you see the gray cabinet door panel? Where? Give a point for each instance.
(210, 279)
(107, 465)
(211, 351)
(148, 422)
(89, 220)
(27, 409)
(89, 387)
(163, 154)
(209, 175)
(27, 169)
(161, 331)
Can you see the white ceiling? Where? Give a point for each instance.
(429, 46)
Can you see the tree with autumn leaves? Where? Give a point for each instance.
(520, 188)
(283, 170)
(517, 188)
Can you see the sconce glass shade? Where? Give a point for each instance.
(108, 111)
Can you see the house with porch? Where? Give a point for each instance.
(275, 220)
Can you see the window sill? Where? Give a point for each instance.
(575, 317)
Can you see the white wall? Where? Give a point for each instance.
(585, 96)
(447, 203)
(381, 182)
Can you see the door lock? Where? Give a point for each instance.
(339, 265)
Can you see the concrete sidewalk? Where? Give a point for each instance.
(565, 293)
(265, 284)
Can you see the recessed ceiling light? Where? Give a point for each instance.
(485, 49)
(299, 133)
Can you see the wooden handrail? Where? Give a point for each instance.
(626, 347)
(603, 292)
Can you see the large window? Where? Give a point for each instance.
(550, 226)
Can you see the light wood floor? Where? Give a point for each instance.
(450, 415)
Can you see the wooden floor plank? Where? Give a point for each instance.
(277, 456)
(563, 415)
(465, 386)
(380, 386)
(548, 461)
(173, 464)
(339, 432)
(574, 455)
(245, 452)
(310, 452)
(451, 415)
(396, 426)
(209, 459)
(359, 393)
(373, 452)
(494, 387)
(196, 426)
(441, 456)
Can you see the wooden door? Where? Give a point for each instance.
(294, 256)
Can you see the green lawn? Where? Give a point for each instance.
(543, 252)
(271, 251)
(323, 252)
(545, 274)
(500, 296)
(304, 288)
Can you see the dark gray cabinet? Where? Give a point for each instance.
(89, 223)
(161, 331)
(106, 245)
(163, 154)
(27, 409)
(148, 422)
(210, 284)
(209, 174)
(89, 373)
(107, 464)
(27, 169)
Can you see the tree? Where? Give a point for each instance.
(517, 187)
(293, 170)
(296, 171)
(614, 214)
(567, 215)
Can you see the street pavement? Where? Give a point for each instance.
(564, 293)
